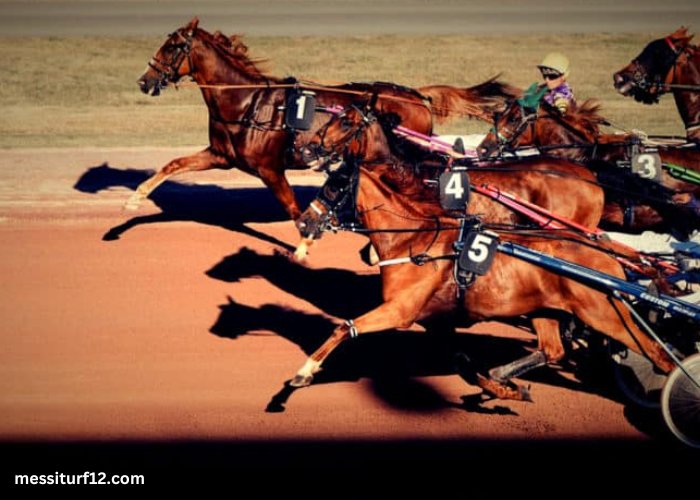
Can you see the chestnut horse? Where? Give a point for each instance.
(668, 64)
(400, 227)
(562, 187)
(249, 123)
(566, 191)
(633, 203)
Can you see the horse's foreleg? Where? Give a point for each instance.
(385, 317)
(204, 160)
(280, 187)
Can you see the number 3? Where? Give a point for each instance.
(649, 171)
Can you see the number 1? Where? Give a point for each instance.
(301, 104)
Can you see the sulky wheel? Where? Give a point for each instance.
(637, 378)
(680, 401)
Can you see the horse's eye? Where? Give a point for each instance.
(345, 124)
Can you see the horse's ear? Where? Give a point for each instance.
(681, 34)
(192, 25)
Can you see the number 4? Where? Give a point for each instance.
(454, 186)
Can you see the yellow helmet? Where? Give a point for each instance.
(555, 61)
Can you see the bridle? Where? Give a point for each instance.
(655, 84)
(331, 152)
(505, 135)
(169, 71)
(339, 190)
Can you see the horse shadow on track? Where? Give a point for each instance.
(391, 359)
(206, 204)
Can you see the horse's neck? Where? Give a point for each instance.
(375, 147)
(210, 66)
(228, 89)
(383, 208)
(688, 103)
(612, 147)
(551, 132)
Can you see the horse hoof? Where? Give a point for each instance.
(509, 390)
(301, 380)
(525, 393)
(300, 254)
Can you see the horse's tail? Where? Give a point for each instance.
(480, 101)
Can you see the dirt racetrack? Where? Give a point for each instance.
(165, 337)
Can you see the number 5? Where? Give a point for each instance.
(479, 249)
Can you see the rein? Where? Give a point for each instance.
(301, 84)
(678, 86)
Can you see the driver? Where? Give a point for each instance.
(555, 68)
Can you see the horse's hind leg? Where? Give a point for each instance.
(610, 317)
(204, 160)
(550, 349)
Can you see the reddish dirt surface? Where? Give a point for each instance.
(164, 337)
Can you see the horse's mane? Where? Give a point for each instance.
(235, 51)
(585, 116)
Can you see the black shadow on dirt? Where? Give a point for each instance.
(344, 294)
(338, 292)
(205, 204)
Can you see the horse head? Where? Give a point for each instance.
(535, 123)
(356, 130)
(334, 203)
(511, 129)
(644, 77)
(171, 61)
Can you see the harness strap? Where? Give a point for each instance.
(315, 208)
(670, 44)
(391, 262)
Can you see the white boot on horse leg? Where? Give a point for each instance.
(373, 256)
(302, 249)
(134, 201)
(305, 376)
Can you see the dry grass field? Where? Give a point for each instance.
(81, 91)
